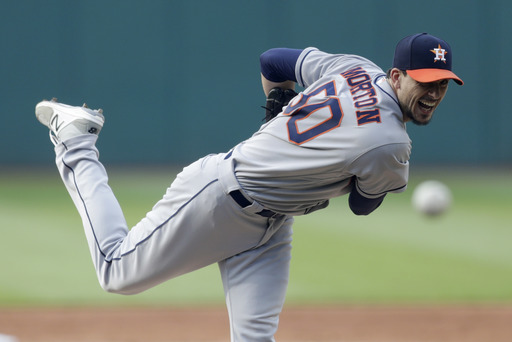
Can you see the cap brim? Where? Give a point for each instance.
(432, 75)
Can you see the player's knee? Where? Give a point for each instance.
(119, 287)
(120, 290)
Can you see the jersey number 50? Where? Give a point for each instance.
(302, 110)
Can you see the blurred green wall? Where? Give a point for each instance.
(180, 79)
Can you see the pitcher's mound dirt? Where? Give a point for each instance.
(298, 324)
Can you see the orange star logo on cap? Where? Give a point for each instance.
(440, 53)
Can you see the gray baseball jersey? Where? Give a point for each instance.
(345, 123)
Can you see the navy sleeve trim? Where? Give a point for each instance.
(383, 193)
(278, 65)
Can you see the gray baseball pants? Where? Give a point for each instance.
(195, 224)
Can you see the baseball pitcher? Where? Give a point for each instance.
(345, 134)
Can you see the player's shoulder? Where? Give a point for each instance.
(344, 61)
(314, 64)
(393, 152)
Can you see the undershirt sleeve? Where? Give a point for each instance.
(361, 205)
(278, 64)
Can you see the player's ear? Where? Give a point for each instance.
(395, 77)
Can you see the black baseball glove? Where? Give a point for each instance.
(276, 100)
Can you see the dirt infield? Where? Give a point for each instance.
(298, 324)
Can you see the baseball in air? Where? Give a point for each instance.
(431, 198)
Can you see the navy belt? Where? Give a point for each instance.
(243, 202)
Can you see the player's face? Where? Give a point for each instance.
(419, 100)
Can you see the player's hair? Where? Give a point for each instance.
(388, 73)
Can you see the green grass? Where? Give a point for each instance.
(392, 255)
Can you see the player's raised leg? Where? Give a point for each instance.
(255, 284)
(195, 224)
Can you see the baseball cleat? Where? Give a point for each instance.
(66, 121)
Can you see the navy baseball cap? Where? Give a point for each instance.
(425, 58)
